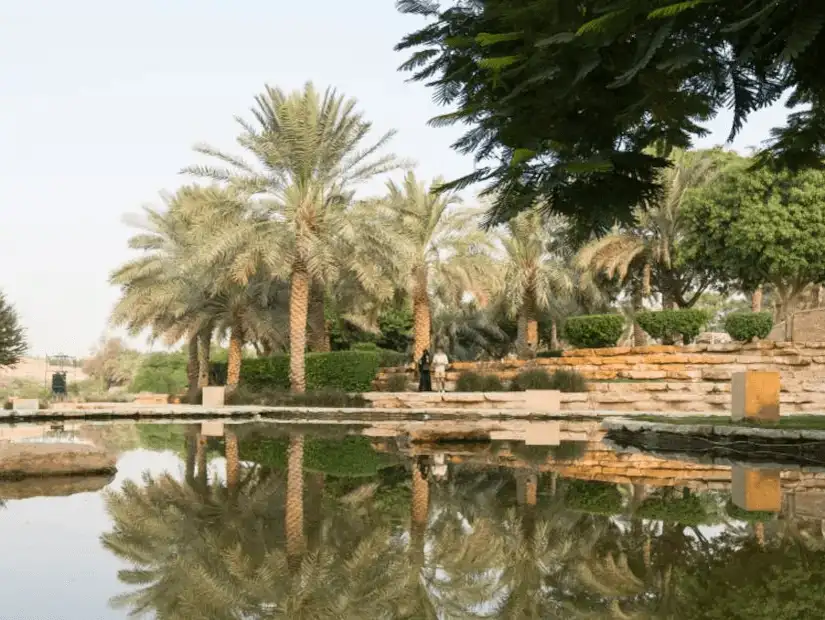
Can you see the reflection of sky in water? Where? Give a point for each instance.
(52, 565)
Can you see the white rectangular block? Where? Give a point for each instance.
(543, 434)
(212, 428)
(214, 396)
(26, 404)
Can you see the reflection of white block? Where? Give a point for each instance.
(506, 435)
(26, 404)
(212, 428)
(214, 396)
(543, 434)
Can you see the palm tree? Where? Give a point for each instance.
(441, 250)
(535, 272)
(309, 151)
(649, 248)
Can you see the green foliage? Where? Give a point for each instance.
(396, 325)
(754, 227)
(594, 331)
(549, 354)
(687, 510)
(350, 456)
(113, 363)
(474, 382)
(12, 336)
(672, 325)
(387, 358)
(745, 326)
(349, 371)
(529, 80)
(162, 437)
(279, 397)
(532, 379)
(568, 381)
(749, 516)
(397, 382)
(719, 306)
(592, 496)
(161, 373)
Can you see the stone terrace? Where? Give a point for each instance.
(672, 378)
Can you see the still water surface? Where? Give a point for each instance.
(386, 520)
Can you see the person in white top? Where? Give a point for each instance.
(440, 363)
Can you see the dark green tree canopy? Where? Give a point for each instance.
(752, 227)
(562, 97)
(12, 336)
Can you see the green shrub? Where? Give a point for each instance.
(745, 326)
(269, 397)
(386, 357)
(687, 510)
(594, 331)
(533, 379)
(670, 326)
(750, 516)
(550, 354)
(161, 373)
(397, 382)
(568, 381)
(593, 496)
(475, 382)
(348, 371)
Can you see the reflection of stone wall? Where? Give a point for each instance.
(692, 378)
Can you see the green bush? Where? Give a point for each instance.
(533, 379)
(687, 510)
(386, 357)
(397, 382)
(475, 382)
(568, 381)
(269, 397)
(750, 516)
(593, 496)
(670, 326)
(550, 354)
(161, 373)
(745, 326)
(348, 371)
(594, 331)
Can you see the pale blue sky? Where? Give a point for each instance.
(102, 101)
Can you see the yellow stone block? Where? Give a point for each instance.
(756, 489)
(755, 395)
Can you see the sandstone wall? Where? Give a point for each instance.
(691, 378)
(806, 325)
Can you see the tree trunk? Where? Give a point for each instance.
(233, 363)
(554, 335)
(318, 337)
(421, 315)
(554, 483)
(528, 327)
(200, 457)
(191, 455)
(298, 306)
(192, 371)
(294, 517)
(756, 300)
(639, 336)
(204, 346)
(233, 465)
(420, 511)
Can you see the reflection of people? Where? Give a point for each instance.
(425, 384)
(440, 363)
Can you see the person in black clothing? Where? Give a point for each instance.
(425, 383)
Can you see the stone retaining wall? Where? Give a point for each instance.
(661, 378)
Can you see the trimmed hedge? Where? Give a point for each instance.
(348, 371)
(594, 331)
(745, 326)
(669, 326)
(387, 358)
(474, 382)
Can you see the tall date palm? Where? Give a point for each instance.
(309, 151)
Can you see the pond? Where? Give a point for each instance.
(406, 519)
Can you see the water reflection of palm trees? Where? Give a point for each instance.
(291, 537)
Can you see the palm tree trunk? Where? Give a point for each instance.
(200, 457)
(233, 465)
(294, 517)
(554, 335)
(528, 327)
(420, 511)
(639, 336)
(204, 346)
(233, 364)
(421, 315)
(192, 371)
(191, 455)
(317, 328)
(756, 300)
(298, 307)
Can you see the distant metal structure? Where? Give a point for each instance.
(57, 371)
